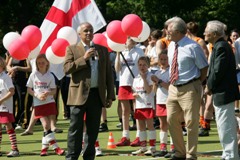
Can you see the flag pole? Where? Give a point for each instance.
(127, 65)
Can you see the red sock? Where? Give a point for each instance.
(13, 139)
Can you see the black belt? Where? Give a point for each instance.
(93, 89)
(180, 85)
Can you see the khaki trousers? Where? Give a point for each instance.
(184, 102)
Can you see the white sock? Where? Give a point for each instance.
(163, 137)
(126, 134)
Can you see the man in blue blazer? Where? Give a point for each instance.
(222, 84)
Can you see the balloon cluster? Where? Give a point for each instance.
(26, 45)
(22, 46)
(117, 33)
(56, 52)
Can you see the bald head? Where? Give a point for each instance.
(85, 31)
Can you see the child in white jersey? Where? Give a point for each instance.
(6, 108)
(161, 84)
(144, 112)
(131, 55)
(41, 85)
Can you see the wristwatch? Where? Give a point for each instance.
(159, 82)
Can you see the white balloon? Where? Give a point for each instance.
(9, 38)
(52, 58)
(69, 34)
(118, 47)
(34, 53)
(143, 36)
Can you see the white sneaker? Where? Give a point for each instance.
(13, 153)
(18, 127)
(150, 152)
(119, 125)
(98, 152)
(140, 151)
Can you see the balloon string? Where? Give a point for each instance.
(127, 64)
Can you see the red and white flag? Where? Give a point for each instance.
(69, 13)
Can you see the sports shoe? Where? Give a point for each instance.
(136, 142)
(26, 133)
(123, 142)
(44, 152)
(98, 152)
(103, 127)
(160, 153)
(169, 154)
(150, 152)
(119, 125)
(18, 127)
(56, 130)
(59, 151)
(13, 153)
(0, 154)
(133, 128)
(163, 151)
(203, 132)
(140, 151)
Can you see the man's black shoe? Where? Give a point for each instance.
(173, 157)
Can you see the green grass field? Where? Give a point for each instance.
(30, 146)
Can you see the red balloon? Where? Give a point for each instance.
(59, 46)
(100, 39)
(19, 49)
(115, 32)
(32, 35)
(132, 25)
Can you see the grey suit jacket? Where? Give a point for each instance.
(80, 71)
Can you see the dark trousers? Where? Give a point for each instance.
(93, 109)
(64, 85)
(19, 96)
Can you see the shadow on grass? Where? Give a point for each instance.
(210, 154)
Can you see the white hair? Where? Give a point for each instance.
(216, 27)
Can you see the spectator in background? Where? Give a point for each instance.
(222, 84)
(152, 54)
(192, 30)
(19, 71)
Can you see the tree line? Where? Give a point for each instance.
(15, 15)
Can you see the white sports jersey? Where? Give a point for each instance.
(162, 93)
(5, 85)
(153, 55)
(132, 56)
(41, 83)
(144, 100)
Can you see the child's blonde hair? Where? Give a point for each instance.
(44, 57)
(3, 63)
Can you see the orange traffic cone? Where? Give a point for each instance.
(111, 143)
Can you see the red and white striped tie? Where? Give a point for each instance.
(174, 69)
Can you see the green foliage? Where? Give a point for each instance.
(15, 15)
